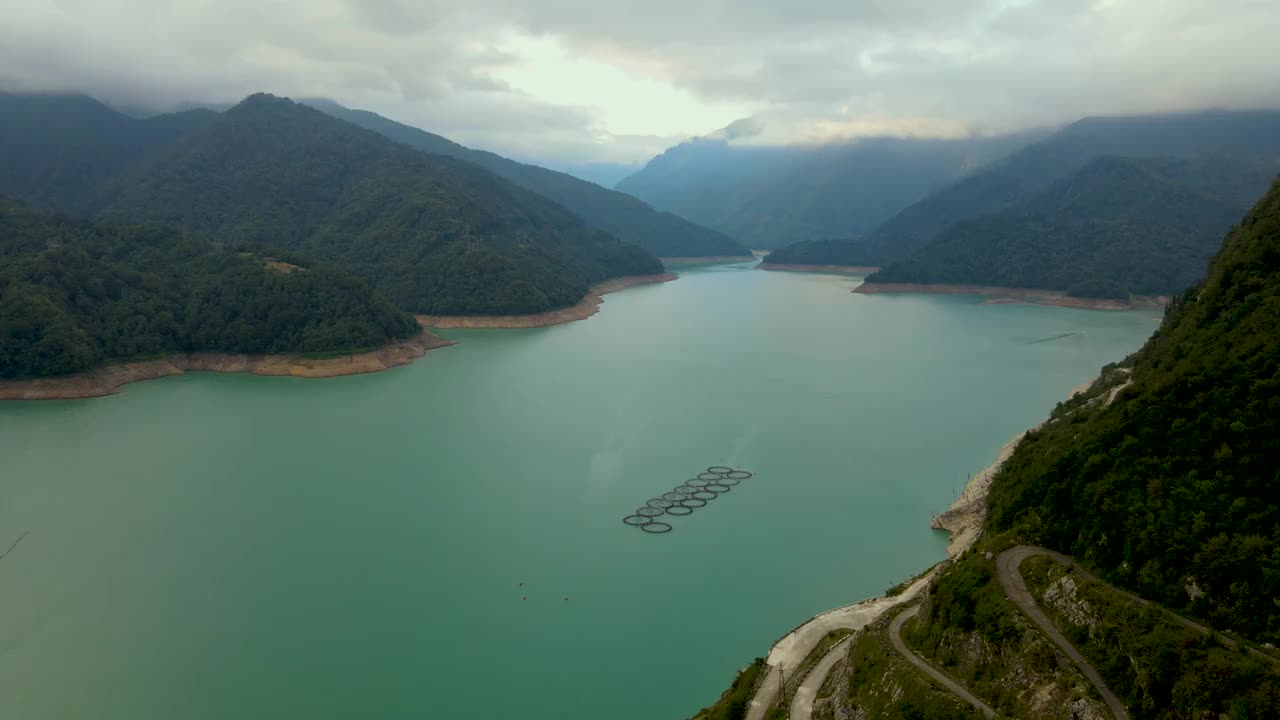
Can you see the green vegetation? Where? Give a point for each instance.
(73, 295)
(970, 630)
(1160, 669)
(616, 213)
(63, 151)
(1117, 226)
(882, 685)
(431, 233)
(1214, 136)
(1170, 490)
(434, 234)
(733, 704)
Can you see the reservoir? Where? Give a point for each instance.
(445, 539)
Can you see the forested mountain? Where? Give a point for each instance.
(1247, 136)
(432, 233)
(1116, 227)
(61, 151)
(768, 197)
(616, 213)
(604, 174)
(1172, 489)
(74, 294)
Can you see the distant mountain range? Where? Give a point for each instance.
(1118, 226)
(618, 214)
(1023, 220)
(432, 233)
(768, 197)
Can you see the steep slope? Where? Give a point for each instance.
(616, 213)
(74, 294)
(434, 234)
(1253, 135)
(772, 196)
(1117, 226)
(1167, 483)
(60, 150)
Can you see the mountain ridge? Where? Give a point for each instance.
(1245, 135)
(621, 215)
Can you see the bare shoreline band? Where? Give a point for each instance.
(705, 259)
(587, 307)
(1004, 295)
(839, 269)
(106, 380)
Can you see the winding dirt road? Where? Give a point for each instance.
(895, 638)
(1007, 567)
(807, 693)
(796, 645)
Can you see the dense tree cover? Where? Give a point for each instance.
(1115, 227)
(434, 234)
(1160, 669)
(62, 151)
(1014, 180)
(616, 213)
(1173, 490)
(768, 197)
(74, 294)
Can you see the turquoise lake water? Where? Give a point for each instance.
(230, 546)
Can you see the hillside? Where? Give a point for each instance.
(61, 151)
(769, 197)
(74, 295)
(434, 234)
(616, 213)
(1118, 226)
(1171, 489)
(1250, 136)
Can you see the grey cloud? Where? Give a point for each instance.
(739, 129)
(811, 67)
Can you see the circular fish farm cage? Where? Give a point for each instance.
(683, 499)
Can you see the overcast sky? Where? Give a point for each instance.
(583, 80)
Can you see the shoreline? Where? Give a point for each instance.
(1010, 296)
(839, 269)
(108, 379)
(964, 519)
(585, 308)
(705, 260)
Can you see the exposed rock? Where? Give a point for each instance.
(1063, 595)
(1193, 590)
